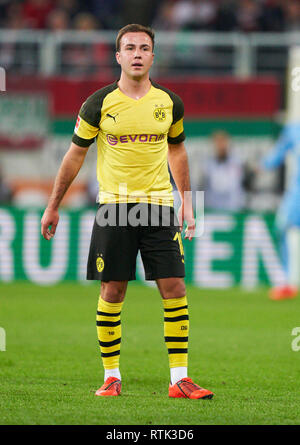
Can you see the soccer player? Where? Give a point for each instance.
(138, 126)
(288, 214)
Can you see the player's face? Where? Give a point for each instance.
(135, 55)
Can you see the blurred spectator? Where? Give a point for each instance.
(138, 11)
(223, 177)
(12, 55)
(58, 20)
(86, 58)
(35, 12)
(71, 7)
(183, 13)
(272, 16)
(206, 15)
(165, 18)
(248, 13)
(85, 21)
(226, 16)
(3, 6)
(14, 18)
(263, 188)
(195, 14)
(107, 11)
(292, 15)
(5, 191)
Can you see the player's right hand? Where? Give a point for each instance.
(50, 219)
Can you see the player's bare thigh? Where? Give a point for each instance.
(173, 287)
(113, 291)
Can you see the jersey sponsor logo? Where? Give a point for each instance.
(111, 139)
(159, 114)
(100, 264)
(132, 138)
(77, 124)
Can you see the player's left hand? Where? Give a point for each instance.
(186, 213)
(50, 219)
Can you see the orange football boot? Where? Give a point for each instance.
(111, 387)
(187, 389)
(283, 293)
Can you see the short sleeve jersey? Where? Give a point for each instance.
(132, 142)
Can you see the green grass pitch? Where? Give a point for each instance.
(240, 348)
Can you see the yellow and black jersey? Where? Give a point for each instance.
(132, 139)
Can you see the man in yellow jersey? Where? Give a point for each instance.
(138, 126)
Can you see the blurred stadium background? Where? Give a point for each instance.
(226, 59)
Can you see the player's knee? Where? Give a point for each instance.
(112, 292)
(176, 289)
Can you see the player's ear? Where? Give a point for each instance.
(152, 59)
(118, 57)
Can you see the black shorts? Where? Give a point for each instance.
(114, 246)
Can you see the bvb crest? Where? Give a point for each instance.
(159, 114)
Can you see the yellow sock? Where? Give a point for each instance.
(109, 332)
(176, 330)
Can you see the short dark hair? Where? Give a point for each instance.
(134, 28)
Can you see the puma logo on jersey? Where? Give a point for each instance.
(113, 117)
